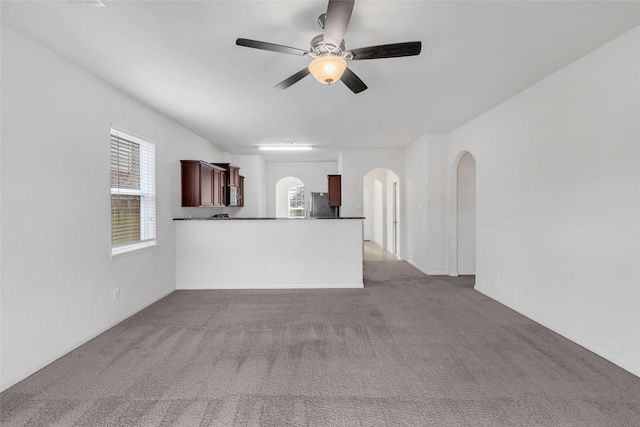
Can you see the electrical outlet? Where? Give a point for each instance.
(116, 294)
(272, 267)
(419, 205)
(497, 276)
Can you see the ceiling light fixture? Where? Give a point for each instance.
(328, 69)
(90, 3)
(284, 148)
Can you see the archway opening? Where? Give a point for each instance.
(381, 210)
(290, 200)
(463, 221)
(467, 215)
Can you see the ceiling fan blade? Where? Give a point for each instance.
(352, 81)
(394, 50)
(270, 46)
(293, 79)
(337, 20)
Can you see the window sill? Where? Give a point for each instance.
(132, 250)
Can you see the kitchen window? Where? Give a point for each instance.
(133, 194)
(296, 201)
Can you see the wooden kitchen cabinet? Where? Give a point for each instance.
(219, 187)
(241, 192)
(335, 190)
(233, 173)
(206, 184)
(201, 183)
(233, 194)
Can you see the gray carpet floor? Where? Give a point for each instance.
(408, 350)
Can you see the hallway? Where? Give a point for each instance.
(373, 252)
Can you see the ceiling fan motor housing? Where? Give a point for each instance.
(320, 48)
(330, 58)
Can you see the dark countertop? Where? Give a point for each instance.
(208, 218)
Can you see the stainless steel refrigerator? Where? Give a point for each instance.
(319, 206)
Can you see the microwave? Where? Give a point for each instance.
(234, 196)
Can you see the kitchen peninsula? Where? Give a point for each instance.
(268, 253)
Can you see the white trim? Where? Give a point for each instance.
(135, 248)
(427, 272)
(126, 192)
(205, 286)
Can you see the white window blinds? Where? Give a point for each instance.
(133, 193)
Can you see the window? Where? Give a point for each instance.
(133, 193)
(296, 201)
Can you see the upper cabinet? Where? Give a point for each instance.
(335, 190)
(211, 184)
(234, 184)
(203, 184)
(219, 187)
(241, 192)
(233, 173)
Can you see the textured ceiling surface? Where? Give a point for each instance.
(180, 58)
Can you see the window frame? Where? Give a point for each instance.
(147, 194)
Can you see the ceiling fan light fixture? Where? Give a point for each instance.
(327, 69)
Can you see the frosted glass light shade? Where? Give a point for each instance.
(328, 69)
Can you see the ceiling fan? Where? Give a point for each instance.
(328, 50)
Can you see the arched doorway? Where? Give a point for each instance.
(462, 255)
(381, 209)
(290, 200)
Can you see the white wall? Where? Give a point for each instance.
(558, 200)
(57, 275)
(378, 213)
(466, 214)
(269, 254)
(391, 179)
(313, 174)
(379, 182)
(375, 181)
(366, 213)
(425, 230)
(354, 165)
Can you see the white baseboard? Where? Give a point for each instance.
(428, 272)
(15, 379)
(624, 364)
(271, 286)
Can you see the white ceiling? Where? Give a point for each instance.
(180, 58)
